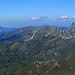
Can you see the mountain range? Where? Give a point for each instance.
(20, 47)
(5, 29)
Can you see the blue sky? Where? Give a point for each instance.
(21, 13)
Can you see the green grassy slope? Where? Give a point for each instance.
(58, 67)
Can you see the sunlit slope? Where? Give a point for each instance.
(57, 67)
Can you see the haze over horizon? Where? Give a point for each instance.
(22, 13)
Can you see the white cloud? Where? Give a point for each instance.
(63, 20)
(73, 17)
(64, 17)
(54, 21)
(34, 18)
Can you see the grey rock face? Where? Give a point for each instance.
(72, 28)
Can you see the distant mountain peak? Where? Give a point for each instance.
(73, 23)
(72, 28)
